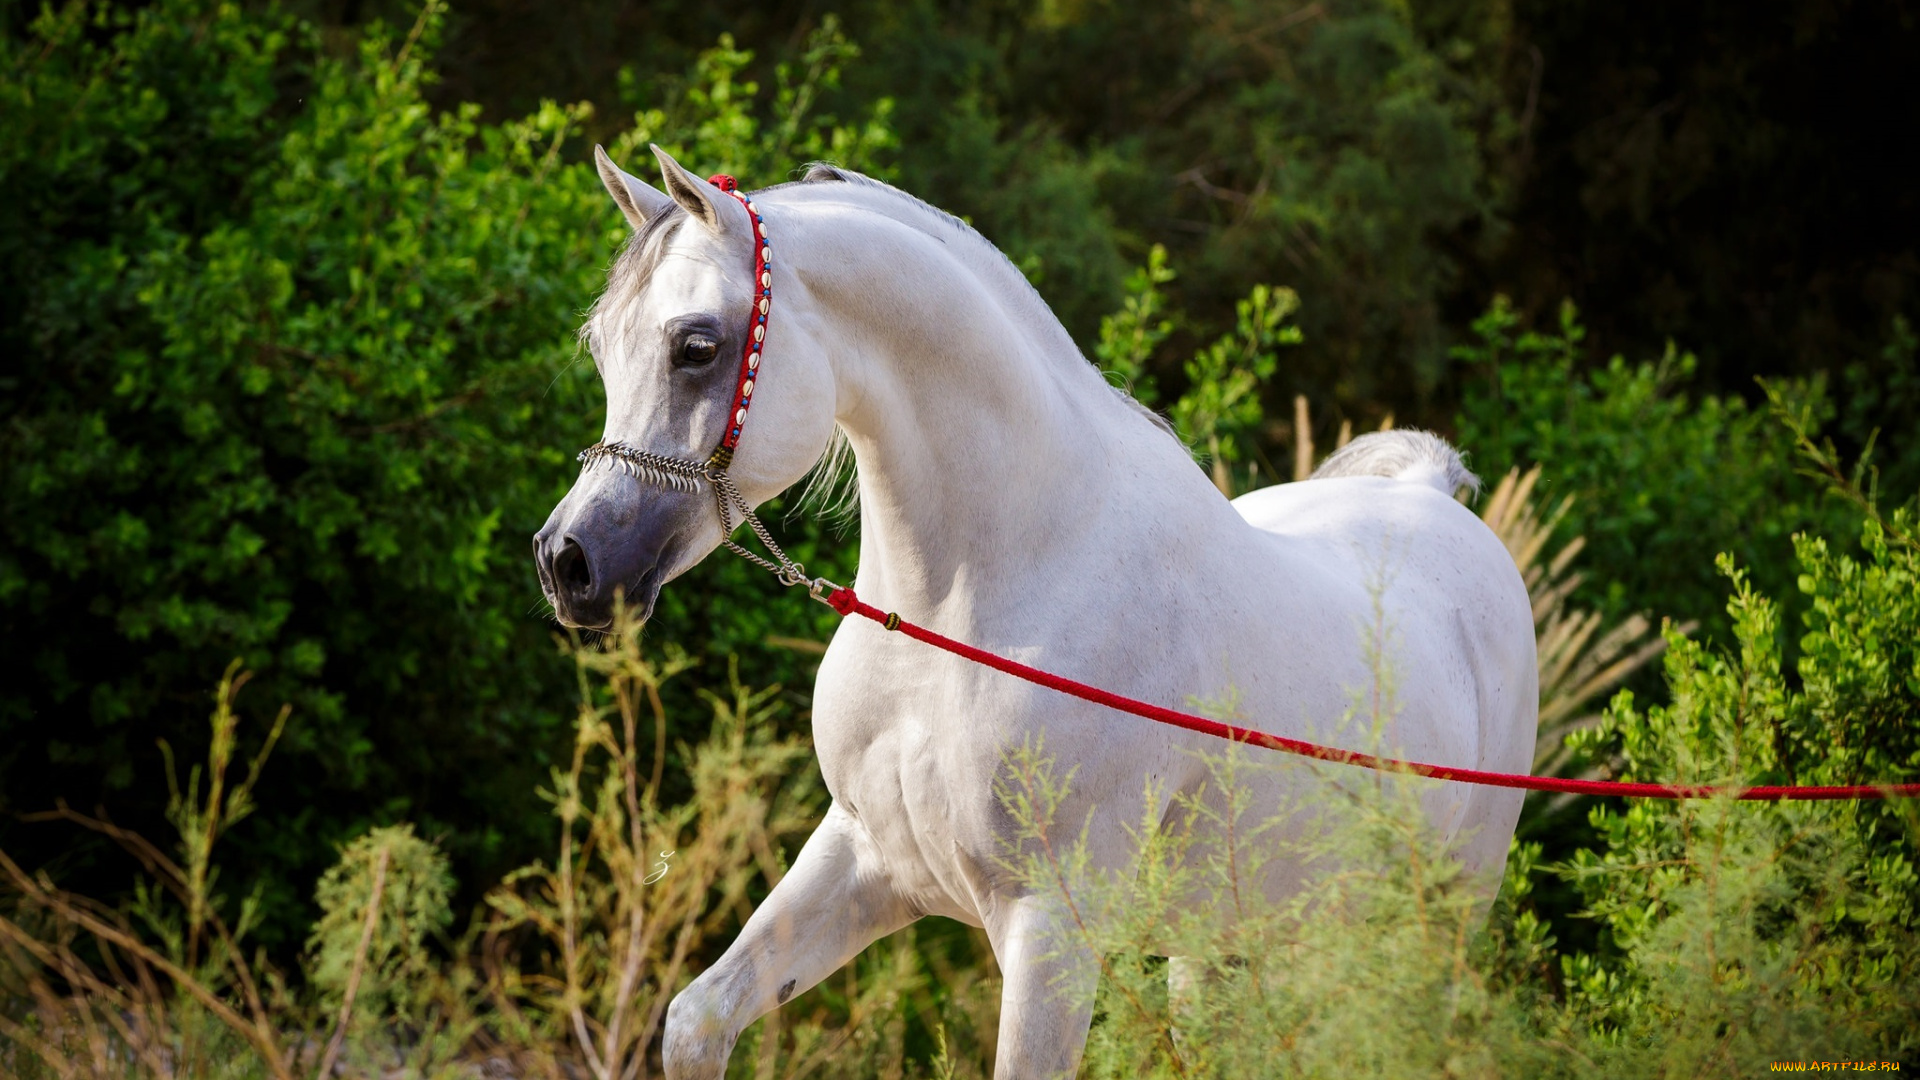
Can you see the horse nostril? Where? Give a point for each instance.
(570, 568)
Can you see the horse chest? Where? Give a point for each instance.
(913, 756)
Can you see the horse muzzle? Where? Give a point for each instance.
(600, 551)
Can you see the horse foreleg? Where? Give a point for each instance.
(835, 901)
(1048, 977)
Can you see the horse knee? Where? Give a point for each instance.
(698, 1038)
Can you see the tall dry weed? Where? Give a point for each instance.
(165, 984)
(581, 955)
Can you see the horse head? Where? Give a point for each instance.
(683, 345)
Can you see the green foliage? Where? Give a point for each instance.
(1323, 144)
(1883, 405)
(708, 116)
(1219, 412)
(1222, 404)
(1342, 153)
(1754, 952)
(1660, 480)
(378, 905)
(1130, 336)
(1820, 901)
(296, 368)
(294, 418)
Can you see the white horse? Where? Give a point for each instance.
(1011, 499)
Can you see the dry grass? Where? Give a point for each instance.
(163, 983)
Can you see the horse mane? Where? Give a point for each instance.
(822, 172)
(937, 221)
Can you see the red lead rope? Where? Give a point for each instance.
(846, 603)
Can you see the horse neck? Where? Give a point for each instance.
(986, 445)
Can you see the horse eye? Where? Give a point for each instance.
(699, 350)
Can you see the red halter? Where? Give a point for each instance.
(756, 324)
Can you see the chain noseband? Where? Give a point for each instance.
(682, 474)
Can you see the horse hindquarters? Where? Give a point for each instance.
(1446, 605)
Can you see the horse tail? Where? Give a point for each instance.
(1402, 454)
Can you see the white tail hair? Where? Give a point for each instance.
(1402, 454)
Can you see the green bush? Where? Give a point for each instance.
(295, 380)
(1741, 926)
(1662, 481)
(1883, 407)
(378, 905)
(1219, 414)
(1851, 716)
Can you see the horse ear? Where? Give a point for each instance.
(695, 196)
(636, 198)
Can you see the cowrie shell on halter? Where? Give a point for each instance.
(766, 279)
(759, 334)
(740, 417)
(753, 361)
(746, 389)
(764, 305)
(766, 254)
